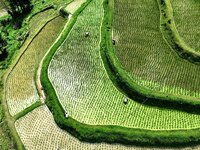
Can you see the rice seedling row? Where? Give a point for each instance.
(144, 53)
(20, 88)
(87, 94)
(38, 131)
(187, 19)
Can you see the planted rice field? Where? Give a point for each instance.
(144, 53)
(94, 109)
(38, 131)
(86, 92)
(187, 19)
(39, 19)
(20, 87)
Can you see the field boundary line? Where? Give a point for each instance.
(8, 118)
(129, 87)
(107, 133)
(27, 110)
(38, 82)
(6, 76)
(172, 36)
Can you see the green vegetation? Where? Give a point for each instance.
(39, 133)
(16, 38)
(152, 67)
(79, 70)
(74, 5)
(1, 6)
(6, 141)
(187, 19)
(54, 26)
(27, 110)
(16, 8)
(107, 133)
(9, 137)
(20, 98)
(41, 18)
(172, 36)
(15, 31)
(135, 41)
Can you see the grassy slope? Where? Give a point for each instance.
(5, 139)
(78, 69)
(107, 133)
(20, 98)
(38, 129)
(6, 142)
(145, 55)
(187, 19)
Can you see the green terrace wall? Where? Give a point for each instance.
(108, 133)
(128, 86)
(168, 28)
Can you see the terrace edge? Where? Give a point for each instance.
(108, 133)
(129, 87)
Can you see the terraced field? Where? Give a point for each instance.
(20, 90)
(38, 131)
(97, 109)
(89, 95)
(187, 19)
(39, 19)
(144, 53)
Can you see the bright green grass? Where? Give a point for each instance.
(145, 55)
(20, 87)
(187, 19)
(39, 131)
(86, 92)
(57, 3)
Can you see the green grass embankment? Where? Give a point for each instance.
(109, 134)
(170, 33)
(8, 119)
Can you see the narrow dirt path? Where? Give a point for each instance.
(38, 82)
(10, 120)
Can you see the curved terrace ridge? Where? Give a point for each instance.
(172, 36)
(107, 133)
(130, 87)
